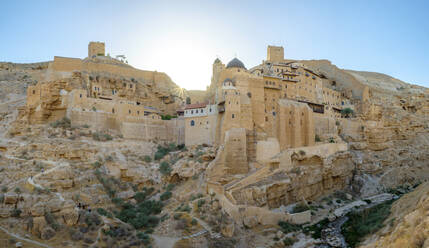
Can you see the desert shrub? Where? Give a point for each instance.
(165, 196)
(201, 202)
(98, 136)
(298, 208)
(109, 158)
(17, 190)
(165, 168)
(117, 201)
(1, 198)
(289, 241)
(165, 149)
(147, 159)
(92, 219)
(64, 123)
(316, 229)
(142, 196)
(4, 189)
(184, 208)
(288, 227)
(194, 222)
(143, 237)
(347, 112)
(50, 219)
(365, 222)
(107, 182)
(104, 212)
(168, 117)
(16, 212)
(170, 187)
(141, 215)
(177, 216)
(96, 164)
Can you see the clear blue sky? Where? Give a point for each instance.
(182, 38)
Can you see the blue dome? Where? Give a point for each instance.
(235, 63)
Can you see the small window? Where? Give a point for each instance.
(202, 111)
(192, 123)
(113, 110)
(233, 116)
(129, 111)
(274, 113)
(192, 111)
(80, 95)
(34, 92)
(196, 111)
(138, 112)
(131, 86)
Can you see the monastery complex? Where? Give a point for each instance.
(263, 122)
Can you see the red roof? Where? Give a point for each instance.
(196, 105)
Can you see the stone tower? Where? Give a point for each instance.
(275, 53)
(96, 49)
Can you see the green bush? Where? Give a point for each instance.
(50, 219)
(168, 117)
(194, 222)
(288, 227)
(170, 187)
(143, 237)
(165, 168)
(177, 216)
(201, 202)
(64, 123)
(104, 212)
(16, 212)
(300, 208)
(289, 241)
(316, 229)
(97, 136)
(4, 189)
(165, 196)
(347, 112)
(331, 140)
(365, 222)
(118, 201)
(147, 159)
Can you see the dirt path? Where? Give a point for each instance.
(164, 242)
(17, 236)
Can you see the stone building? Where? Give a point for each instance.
(200, 123)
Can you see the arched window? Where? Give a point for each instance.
(192, 123)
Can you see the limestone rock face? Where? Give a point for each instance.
(10, 198)
(308, 179)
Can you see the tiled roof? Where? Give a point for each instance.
(196, 105)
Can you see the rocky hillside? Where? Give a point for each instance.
(70, 186)
(408, 223)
